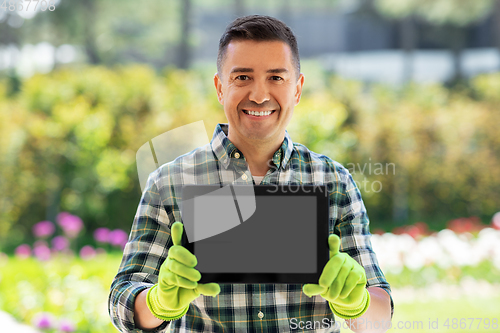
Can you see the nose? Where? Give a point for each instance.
(259, 93)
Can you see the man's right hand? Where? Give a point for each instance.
(177, 282)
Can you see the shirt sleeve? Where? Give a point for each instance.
(353, 227)
(142, 257)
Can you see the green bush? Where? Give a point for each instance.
(434, 151)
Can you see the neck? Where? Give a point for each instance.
(258, 154)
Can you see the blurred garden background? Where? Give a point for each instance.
(405, 94)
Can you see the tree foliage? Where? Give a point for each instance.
(450, 16)
(455, 12)
(111, 31)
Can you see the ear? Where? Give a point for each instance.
(298, 92)
(218, 88)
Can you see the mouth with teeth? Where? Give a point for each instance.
(259, 113)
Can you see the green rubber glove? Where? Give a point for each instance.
(177, 282)
(342, 283)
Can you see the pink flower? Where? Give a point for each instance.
(465, 224)
(87, 252)
(422, 227)
(101, 235)
(71, 224)
(66, 325)
(23, 251)
(61, 216)
(41, 251)
(43, 320)
(43, 229)
(495, 221)
(118, 237)
(60, 243)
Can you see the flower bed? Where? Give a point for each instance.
(63, 294)
(61, 289)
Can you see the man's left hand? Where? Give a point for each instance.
(342, 283)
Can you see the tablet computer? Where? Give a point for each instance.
(257, 234)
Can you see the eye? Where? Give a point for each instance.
(242, 77)
(276, 78)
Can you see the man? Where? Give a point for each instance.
(258, 82)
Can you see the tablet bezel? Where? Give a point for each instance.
(322, 221)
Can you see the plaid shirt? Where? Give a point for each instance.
(237, 307)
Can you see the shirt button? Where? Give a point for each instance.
(260, 315)
(244, 177)
(237, 155)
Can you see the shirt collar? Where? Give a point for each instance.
(225, 150)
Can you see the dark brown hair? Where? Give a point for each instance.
(258, 28)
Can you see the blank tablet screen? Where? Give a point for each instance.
(284, 240)
(280, 237)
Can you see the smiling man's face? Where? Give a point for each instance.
(259, 88)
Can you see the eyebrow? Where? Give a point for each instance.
(250, 70)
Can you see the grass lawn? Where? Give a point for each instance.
(465, 314)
